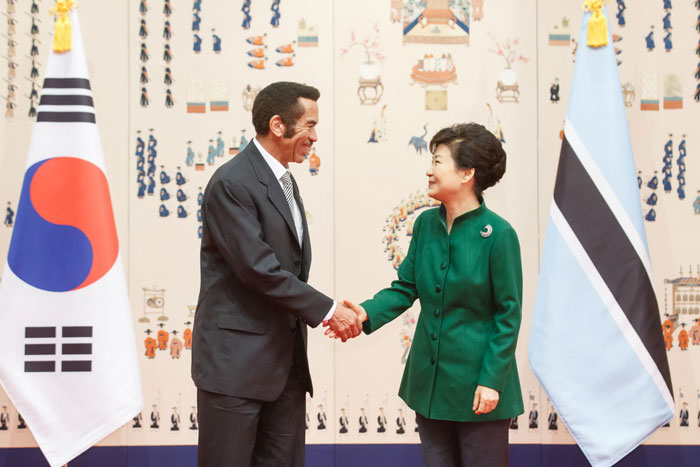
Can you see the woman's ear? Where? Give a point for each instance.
(468, 174)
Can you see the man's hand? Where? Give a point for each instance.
(361, 318)
(344, 323)
(485, 400)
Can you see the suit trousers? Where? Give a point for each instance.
(463, 444)
(239, 432)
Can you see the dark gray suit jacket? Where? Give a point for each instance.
(253, 283)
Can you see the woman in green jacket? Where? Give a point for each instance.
(463, 265)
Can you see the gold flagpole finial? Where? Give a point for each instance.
(62, 38)
(597, 23)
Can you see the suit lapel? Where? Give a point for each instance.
(276, 196)
(274, 190)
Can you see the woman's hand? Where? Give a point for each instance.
(485, 400)
(359, 311)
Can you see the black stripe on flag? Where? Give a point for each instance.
(64, 83)
(39, 349)
(39, 331)
(66, 117)
(76, 349)
(608, 247)
(76, 331)
(76, 365)
(39, 367)
(53, 99)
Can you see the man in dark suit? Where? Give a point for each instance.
(249, 358)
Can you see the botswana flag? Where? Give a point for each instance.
(596, 343)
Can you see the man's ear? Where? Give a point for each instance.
(277, 127)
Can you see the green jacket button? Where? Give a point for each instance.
(438, 288)
(433, 336)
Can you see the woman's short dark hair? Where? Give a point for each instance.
(474, 147)
(281, 98)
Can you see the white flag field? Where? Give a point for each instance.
(69, 362)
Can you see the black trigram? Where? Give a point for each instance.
(66, 100)
(42, 342)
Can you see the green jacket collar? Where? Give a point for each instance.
(473, 214)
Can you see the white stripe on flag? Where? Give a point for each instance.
(609, 196)
(610, 303)
(66, 108)
(66, 92)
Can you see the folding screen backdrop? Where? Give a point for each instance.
(173, 90)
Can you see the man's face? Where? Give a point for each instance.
(298, 144)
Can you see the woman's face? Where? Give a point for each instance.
(445, 179)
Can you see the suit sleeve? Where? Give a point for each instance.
(230, 216)
(391, 302)
(507, 284)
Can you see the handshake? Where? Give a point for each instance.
(346, 321)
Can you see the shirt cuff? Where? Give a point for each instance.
(330, 313)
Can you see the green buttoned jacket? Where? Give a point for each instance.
(469, 283)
